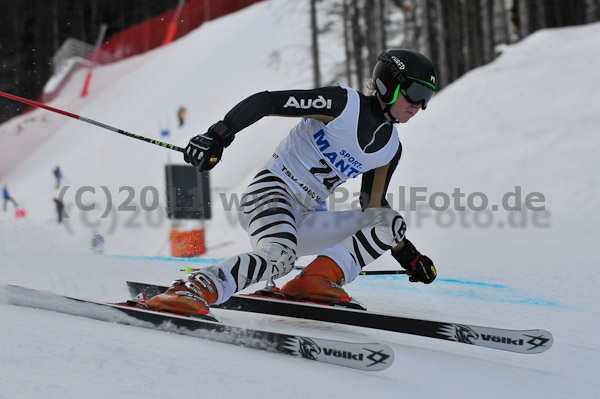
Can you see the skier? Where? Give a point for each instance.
(6, 196)
(342, 134)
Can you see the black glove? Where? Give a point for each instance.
(205, 150)
(419, 267)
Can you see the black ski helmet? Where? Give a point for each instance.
(405, 71)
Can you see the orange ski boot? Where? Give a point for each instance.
(321, 280)
(191, 297)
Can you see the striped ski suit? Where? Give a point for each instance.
(343, 134)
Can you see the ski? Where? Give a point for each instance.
(361, 356)
(519, 341)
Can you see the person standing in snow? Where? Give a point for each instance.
(60, 207)
(181, 116)
(7, 198)
(342, 134)
(57, 175)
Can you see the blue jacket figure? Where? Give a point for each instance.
(6, 196)
(58, 175)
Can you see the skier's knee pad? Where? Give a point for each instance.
(280, 260)
(390, 225)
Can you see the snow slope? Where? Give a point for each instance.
(527, 122)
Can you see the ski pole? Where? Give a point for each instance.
(370, 272)
(91, 121)
(381, 272)
(190, 269)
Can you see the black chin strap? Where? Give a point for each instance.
(387, 111)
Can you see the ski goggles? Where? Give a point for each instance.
(417, 92)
